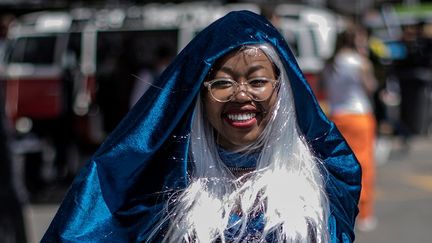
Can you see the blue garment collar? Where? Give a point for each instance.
(238, 159)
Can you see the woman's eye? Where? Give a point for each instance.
(222, 84)
(258, 82)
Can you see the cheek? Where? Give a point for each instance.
(213, 111)
(270, 106)
(272, 103)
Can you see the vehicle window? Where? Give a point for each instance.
(132, 49)
(35, 50)
(4, 50)
(314, 38)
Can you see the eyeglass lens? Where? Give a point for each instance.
(258, 89)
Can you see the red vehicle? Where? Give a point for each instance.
(48, 93)
(68, 76)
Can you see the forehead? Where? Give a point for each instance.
(243, 58)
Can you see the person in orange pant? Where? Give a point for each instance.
(359, 132)
(350, 83)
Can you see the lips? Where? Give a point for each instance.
(241, 118)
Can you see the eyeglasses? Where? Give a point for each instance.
(258, 89)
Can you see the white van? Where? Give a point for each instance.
(311, 33)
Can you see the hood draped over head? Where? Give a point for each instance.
(122, 192)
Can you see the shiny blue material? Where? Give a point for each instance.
(238, 160)
(255, 227)
(121, 193)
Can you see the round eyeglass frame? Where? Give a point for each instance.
(209, 83)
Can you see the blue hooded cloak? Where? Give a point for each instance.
(121, 193)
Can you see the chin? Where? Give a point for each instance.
(245, 141)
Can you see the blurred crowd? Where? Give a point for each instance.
(371, 86)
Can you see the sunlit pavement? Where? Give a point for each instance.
(38, 218)
(404, 196)
(403, 205)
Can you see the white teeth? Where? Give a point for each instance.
(241, 117)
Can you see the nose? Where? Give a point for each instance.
(241, 94)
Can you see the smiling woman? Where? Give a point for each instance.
(229, 145)
(248, 156)
(240, 96)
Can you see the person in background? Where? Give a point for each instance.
(5, 21)
(147, 75)
(350, 84)
(12, 227)
(228, 145)
(413, 73)
(268, 10)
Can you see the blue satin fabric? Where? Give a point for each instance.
(238, 160)
(254, 228)
(121, 193)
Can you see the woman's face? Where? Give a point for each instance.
(241, 120)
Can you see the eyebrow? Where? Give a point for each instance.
(251, 69)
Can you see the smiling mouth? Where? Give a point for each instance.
(242, 117)
(241, 120)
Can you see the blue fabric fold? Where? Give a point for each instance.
(238, 160)
(121, 193)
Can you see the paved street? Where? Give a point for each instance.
(404, 199)
(38, 218)
(404, 196)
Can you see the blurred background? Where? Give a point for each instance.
(70, 70)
